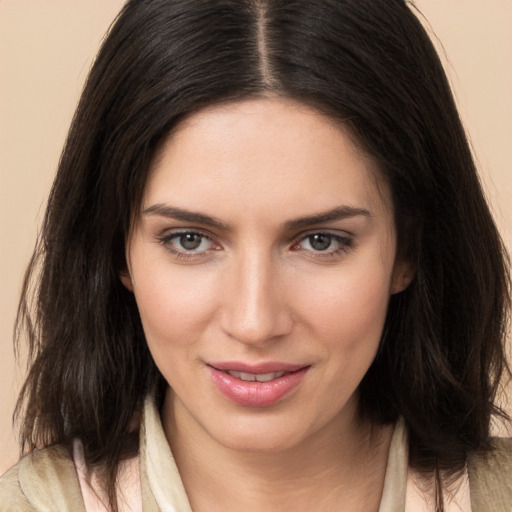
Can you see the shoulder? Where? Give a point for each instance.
(490, 477)
(42, 480)
(11, 495)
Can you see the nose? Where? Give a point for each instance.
(255, 308)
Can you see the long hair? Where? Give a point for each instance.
(366, 63)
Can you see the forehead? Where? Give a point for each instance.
(269, 153)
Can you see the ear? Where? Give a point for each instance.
(403, 273)
(126, 280)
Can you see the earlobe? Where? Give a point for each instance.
(126, 280)
(403, 274)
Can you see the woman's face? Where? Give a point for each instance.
(262, 265)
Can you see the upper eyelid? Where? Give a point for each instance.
(344, 240)
(339, 238)
(331, 232)
(170, 233)
(166, 241)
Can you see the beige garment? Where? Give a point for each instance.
(47, 481)
(93, 493)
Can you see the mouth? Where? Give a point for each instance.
(254, 377)
(256, 385)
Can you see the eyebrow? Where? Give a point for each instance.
(187, 216)
(339, 213)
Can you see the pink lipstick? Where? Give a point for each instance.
(258, 385)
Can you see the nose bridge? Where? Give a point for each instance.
(255, 309)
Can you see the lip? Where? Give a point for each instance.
(264, 367)
(254, 393)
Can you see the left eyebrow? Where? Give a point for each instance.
(340, 213)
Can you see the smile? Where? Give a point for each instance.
(256, 386)
(253, 377)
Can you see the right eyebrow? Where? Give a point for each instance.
(172, 212)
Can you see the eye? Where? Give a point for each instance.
(327, 243)
(187, 242)
(191, 241)
(318, 241)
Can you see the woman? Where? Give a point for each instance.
(269, 278)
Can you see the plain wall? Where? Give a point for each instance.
(46, 49)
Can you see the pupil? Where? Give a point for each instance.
(190, 241)
(320, 242)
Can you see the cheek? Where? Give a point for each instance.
(175, 306)
(346, 314)
(347, 303)
(347, 322)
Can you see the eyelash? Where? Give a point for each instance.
(166, 242)
(345, 244)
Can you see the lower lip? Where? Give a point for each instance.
(253, 393)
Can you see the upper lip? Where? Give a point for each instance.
(259, 368)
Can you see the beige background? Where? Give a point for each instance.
(46, 48)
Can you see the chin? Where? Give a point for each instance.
(257, 443)
(262, 435)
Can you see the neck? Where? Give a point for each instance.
(343, 462)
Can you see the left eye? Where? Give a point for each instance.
(324, 242)
(188, 242)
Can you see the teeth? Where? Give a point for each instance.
(253, 377)
(265, 377)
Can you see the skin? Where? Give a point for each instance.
(255, 288)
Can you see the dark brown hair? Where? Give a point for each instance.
(368, 64)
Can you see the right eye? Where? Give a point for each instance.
(187, 242)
